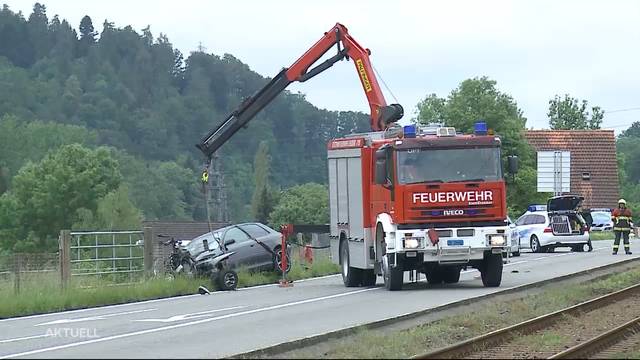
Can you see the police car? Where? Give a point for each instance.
(558, 224)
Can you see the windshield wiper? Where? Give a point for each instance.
(469, 180)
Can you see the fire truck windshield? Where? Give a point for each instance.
(449, 165)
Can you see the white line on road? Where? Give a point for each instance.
(170, 327)
(190, 316)
(22, 338)
(91, 318)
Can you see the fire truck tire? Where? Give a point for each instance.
(393, 276)
(434, 276)
(351, 276)
(450, 275)
(491, 270)
(369, 278)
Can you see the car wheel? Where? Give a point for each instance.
(277, 260)
(226, 280)
(578, 248)
(351, 277)
(535, 244)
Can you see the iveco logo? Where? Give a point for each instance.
(453, 212)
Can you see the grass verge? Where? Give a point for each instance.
(42, 293)
(431, 336)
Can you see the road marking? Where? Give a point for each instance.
(92, 318)
(170, 327)
(190, 316)
(22, 338)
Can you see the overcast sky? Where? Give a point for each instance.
(533, 49)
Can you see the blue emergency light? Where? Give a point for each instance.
(480, 128)
(533, 208)
(409, 131)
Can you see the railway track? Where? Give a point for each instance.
(504, 343)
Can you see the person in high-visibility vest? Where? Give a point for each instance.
(621, 226)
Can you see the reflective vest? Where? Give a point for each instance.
(621, 219)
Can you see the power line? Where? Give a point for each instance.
(621, 110)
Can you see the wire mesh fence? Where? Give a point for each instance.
(23, 270)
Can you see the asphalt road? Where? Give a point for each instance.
(227, 323)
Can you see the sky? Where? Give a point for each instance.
(532, 49)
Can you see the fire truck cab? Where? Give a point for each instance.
(418, 198)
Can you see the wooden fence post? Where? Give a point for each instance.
(148, 250)
(16, 272)
(64, 246)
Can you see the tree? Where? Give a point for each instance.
(302, 204)
(569, 114)
(261, 203)
(430, 110)
(114, 212)
(632, 131)
(87, 36)
(48, 194)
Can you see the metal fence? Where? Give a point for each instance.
(18, 270)
(115, 254)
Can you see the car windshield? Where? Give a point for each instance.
(196, 246)
(449, 165)
(601, 217)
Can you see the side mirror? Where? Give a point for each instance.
(512, 164)
(384, 167)
(229, 242)
(205, 243)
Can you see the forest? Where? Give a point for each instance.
(98, 130)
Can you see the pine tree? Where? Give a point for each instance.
(87, 36)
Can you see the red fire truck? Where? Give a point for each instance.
(421, 199)
(417, 198)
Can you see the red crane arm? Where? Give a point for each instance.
(382, 115)
(360, 56)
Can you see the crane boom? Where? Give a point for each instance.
(382, 115)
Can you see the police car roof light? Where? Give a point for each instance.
(533, 208)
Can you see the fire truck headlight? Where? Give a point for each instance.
(496, 240)
(411, 243)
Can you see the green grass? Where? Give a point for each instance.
(42, 293)
(601, 235)
(430, 336)
(627, 355)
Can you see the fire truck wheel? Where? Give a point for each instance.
(491, 270)
(393, 277)
(351, 276)
(434, 276)
(450, 275)
(369, 278)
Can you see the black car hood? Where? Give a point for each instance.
(564, 203)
